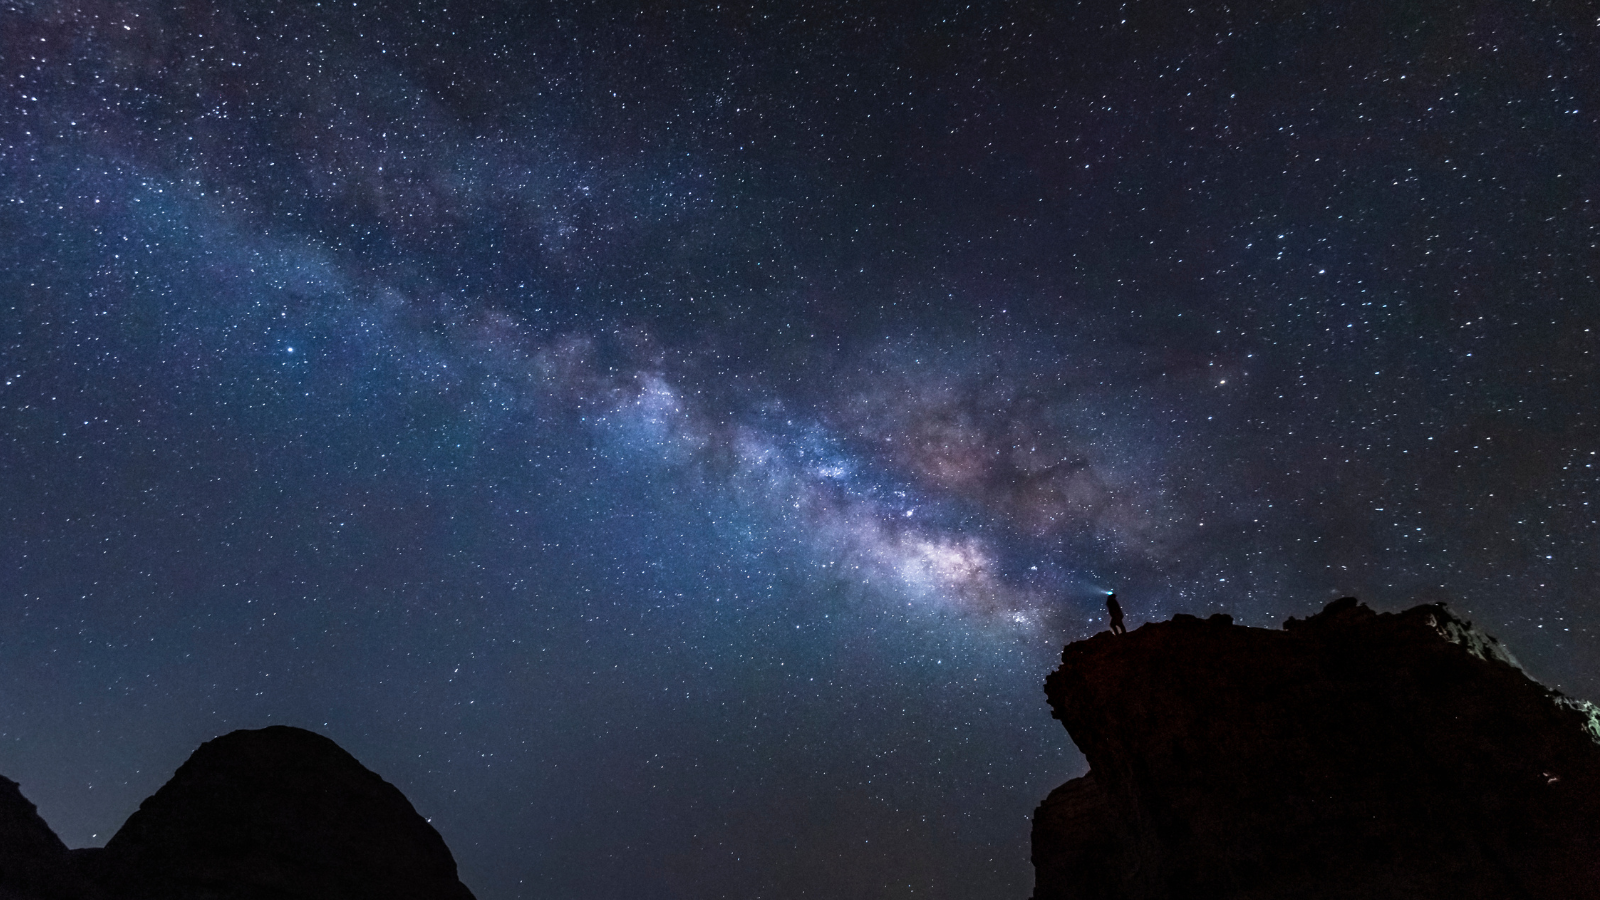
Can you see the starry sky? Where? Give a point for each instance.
(672, 443)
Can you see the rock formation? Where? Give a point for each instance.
(33, 861)
(1353, 754)
(275, 813)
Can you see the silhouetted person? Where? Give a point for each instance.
(1116, 614)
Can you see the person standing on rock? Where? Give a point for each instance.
(1115, 609)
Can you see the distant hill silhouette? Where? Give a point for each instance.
(272, 814)
(33, 861)
(1352, 754)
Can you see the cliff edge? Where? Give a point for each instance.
(1352, 754)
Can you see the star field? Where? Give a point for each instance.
(672, 444)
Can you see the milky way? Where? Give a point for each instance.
(672, 445)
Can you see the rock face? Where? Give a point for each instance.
(33, 861)
(1350, 755)
(273, 814)
(279, 812)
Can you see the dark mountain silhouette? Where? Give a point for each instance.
(33, 861)
(1353, 754)
(272, 814)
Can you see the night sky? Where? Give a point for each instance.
(673, 444)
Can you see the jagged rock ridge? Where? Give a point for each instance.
(1352, 754)
(253, 815)
(33, 861)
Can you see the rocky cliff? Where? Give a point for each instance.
(33, 861)
(1353, 754)
(253, 815)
